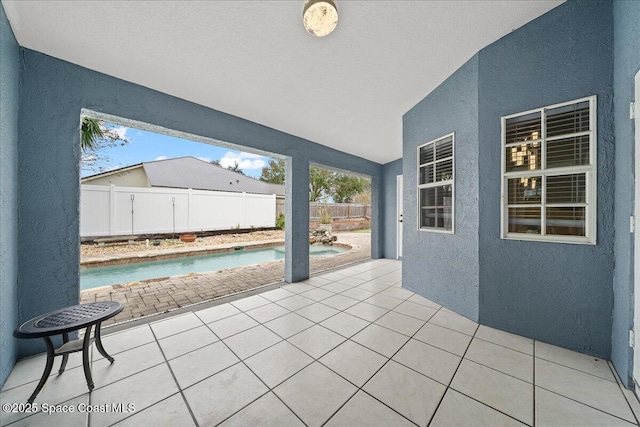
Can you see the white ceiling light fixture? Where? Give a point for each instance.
(320, 17)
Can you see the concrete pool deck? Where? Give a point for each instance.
(152, 297)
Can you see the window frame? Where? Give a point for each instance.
(590, 171)
(438, 184)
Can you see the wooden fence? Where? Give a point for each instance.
(337, 211)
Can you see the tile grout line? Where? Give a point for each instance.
(87, 414)
(314, 323)
(349, 338)
(473, 398)
(448, 386)
(91, 362)
(89, 400)
(305, 329)
(269, 389)
(503, 346)
(585, 404)
(492, 368)
(87, 422)
(361, 388)
(253, 327)
(166, 361)
(579, 370)
(145, 409)
(312, 357)
(620, 385)
(346, 338)
(157, 341)
(536, 386)
(534, 383)
(473, 337)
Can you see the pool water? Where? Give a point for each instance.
(116, 274)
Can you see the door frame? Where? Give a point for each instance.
(399, 215)
(636, 239)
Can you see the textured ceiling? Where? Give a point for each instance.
(254, 59)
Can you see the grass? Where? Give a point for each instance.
(367, 231)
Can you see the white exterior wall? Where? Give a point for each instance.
(129, 178)
(107, 210)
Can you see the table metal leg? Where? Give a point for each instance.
(86, 343)
(65, 357)
(99, 343)
(47, 369)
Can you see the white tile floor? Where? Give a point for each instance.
(348, 348)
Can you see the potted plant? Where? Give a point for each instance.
(188, 237)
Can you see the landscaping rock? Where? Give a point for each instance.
(323, 236)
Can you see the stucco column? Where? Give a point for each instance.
(296, 260)
(377, 222)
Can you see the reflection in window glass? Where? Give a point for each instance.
(548, 173)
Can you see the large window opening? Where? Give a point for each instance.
(339, 217)
(168, 219)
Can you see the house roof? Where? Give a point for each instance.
(254, 59)
(189, 172)
(109, 172)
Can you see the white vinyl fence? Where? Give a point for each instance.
(115, 211)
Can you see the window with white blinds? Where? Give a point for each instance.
(549, 173)
(436, 185)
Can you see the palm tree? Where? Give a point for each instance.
(96, 139)
(90, 134)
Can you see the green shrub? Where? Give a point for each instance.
(325, 216)
(280, 221)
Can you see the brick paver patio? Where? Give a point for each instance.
(148, 298)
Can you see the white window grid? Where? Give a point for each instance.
(436, 183)
(589, 171)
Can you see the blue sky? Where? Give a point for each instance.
(146, 146)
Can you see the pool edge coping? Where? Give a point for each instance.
(204, 251)
(179, 253)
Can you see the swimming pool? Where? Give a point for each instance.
(115, 274)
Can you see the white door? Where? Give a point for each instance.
(399, 216)
(636, 267)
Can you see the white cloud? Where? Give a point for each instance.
(120, 131)
(88, 157)
(161, 158)
(246, 161)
